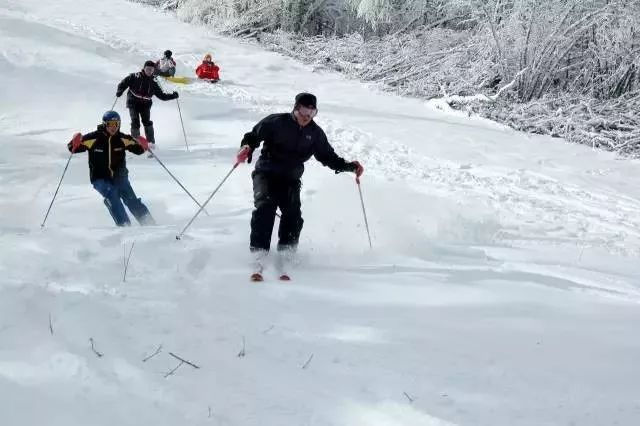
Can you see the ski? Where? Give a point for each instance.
(282, 264)
(256, 277)
(257, 265)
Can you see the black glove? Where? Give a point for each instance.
(118, 94)
(352, 166)
(249, 140)
(175, 95)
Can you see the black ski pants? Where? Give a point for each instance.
(137, 112)
(269, 193)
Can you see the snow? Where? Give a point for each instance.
(502, 288)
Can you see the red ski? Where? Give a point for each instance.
(285, 277)
(256, 277)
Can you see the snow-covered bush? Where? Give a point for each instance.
(532, 58)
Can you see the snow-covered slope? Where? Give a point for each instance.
(502, 288)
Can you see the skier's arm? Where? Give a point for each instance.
(132, 145)
(260, 132)
(86, 142)
(324, 153)
(161, 95)
(124, 84)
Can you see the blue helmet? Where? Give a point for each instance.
(110, 116)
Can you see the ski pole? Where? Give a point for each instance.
(114, 104)
(76, 136)
(364, 212)
(241, 157)
(182, 122)
(153, 154)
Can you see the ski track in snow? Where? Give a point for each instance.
(569, 213)
(548, 208)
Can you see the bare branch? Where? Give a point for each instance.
(307, 363)
(408, 397)
(98, 354)
(50, 324)
(496, 39)
(242, 352)
(183, 360)
(170, 373)
(153, 354)
(508, 85)
(126, 264)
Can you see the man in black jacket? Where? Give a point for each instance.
(108, 168)
(142, 87)
(290, 139)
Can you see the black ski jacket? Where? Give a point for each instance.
(287, 146)
(107, 153)
(141, 90)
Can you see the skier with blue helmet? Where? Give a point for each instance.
(108, 172)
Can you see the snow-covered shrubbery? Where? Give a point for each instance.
(563, 67)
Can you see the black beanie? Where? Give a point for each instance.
(149, 64)
(306, 99)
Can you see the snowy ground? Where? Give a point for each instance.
(502, 288)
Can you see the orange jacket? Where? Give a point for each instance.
(208, 70)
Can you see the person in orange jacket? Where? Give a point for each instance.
(208, 70)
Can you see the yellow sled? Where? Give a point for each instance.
(180, 80)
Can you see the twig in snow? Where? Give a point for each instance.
(580, 255)
(183, 360)
(307, 363)
(94, 349)
(268, 329)
(126, 263)
(408, 397)
(50, 324)
(209, 412)
(242, 352)
(153, 354)
(170, 373)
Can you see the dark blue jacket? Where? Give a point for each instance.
(141, 89)
(287, 146)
